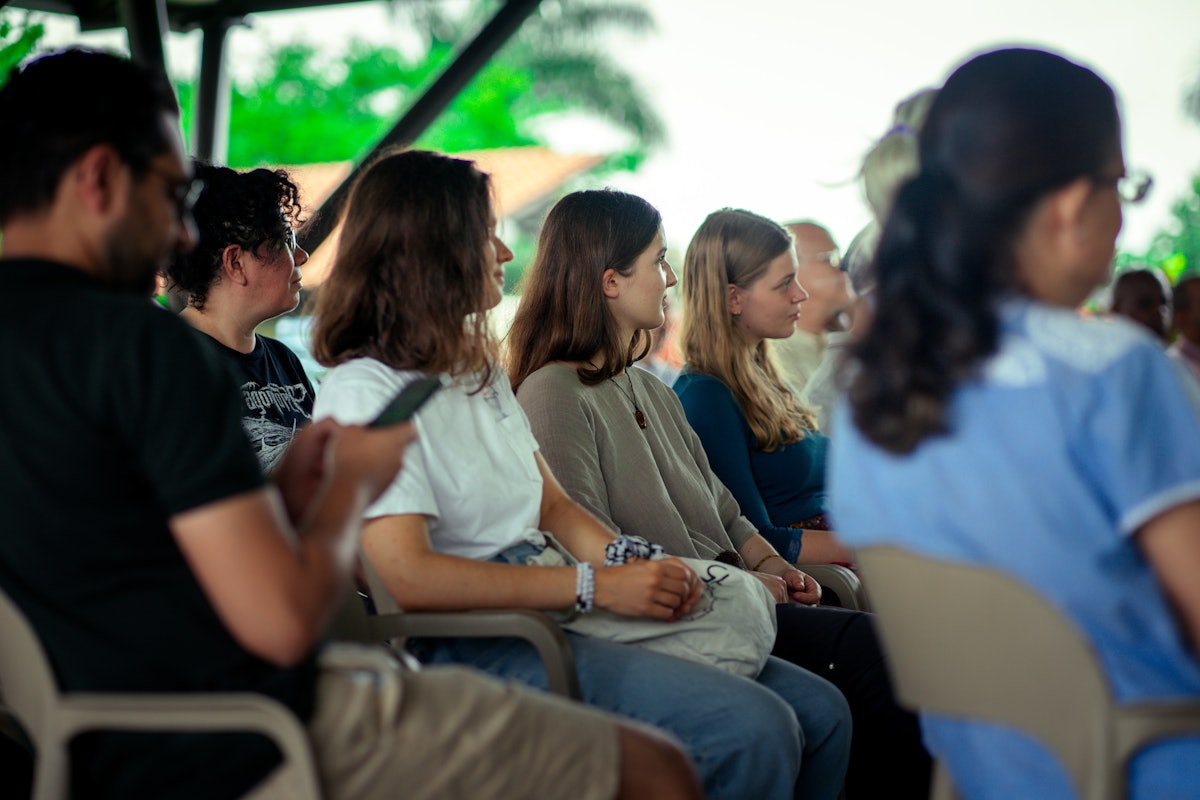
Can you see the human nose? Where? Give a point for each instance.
(671, 279)
(801, 295)
(503, 254)
(300, 256)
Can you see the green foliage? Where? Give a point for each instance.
(19, 35)
(1177, 248)
(307, 105)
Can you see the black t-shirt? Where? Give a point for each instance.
(113, 418)
(276, 395)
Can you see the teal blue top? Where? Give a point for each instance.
(773, 489)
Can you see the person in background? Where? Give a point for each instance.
(142, 540)
(1186, 322)
(828, 296)
(821, 390)
(988, 422)
(243, 271)
(1143, 296)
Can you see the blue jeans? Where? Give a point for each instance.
(785, 735)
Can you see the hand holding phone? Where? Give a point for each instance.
(406, 403)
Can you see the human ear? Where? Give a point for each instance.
(233, 264)
(609, 283)
(1068, 210)
(102, 179)
(733, 299)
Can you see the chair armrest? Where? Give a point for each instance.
(1141, 724)
(841, 580)
(227, 712)
(552, 644)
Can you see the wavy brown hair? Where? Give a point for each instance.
(563, 315)
(408, 283)
(734, 247)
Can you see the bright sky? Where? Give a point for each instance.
(770, 104)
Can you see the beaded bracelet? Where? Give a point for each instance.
(585, 587)
(765, 559)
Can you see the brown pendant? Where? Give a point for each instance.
(640, 417)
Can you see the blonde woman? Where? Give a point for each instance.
(739, 293)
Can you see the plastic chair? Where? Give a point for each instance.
(841, 580)
(953, 633)
(391, 623)
(52, 718)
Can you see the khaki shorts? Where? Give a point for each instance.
(381, 731)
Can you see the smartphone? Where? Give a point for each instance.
(406, 403)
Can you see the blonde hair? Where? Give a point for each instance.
(734, 247)
(894, 158)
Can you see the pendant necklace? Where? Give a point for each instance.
(637, 412)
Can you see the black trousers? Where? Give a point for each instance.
(887, 759)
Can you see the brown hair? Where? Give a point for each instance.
(734, 247)
(408, 283)
(563, 315)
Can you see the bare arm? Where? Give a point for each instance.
(1171, 543)
(420, 578)
(272, 586)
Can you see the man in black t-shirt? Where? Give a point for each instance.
(140, 537)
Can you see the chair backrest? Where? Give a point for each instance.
(970, 642)
(26, 680)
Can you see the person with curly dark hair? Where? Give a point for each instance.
(988, 422)
(244, 270)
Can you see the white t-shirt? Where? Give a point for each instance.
(472, 472)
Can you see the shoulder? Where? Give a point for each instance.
(1037, 339)
(552, 378)
(354, 392)
(698, 391)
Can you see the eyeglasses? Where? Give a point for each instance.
(283, 242)
(831, 257)
(185, 191)
(1134, 187)
(1131, 188)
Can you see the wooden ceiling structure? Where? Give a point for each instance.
(148, 22)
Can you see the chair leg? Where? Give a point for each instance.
(51, 777)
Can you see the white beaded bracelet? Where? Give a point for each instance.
(585, 587)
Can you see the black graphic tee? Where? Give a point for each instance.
(276, 393)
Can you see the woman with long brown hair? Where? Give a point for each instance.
(418, 268)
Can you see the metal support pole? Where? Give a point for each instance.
(211, 132)
(146, 24)
(426, 109)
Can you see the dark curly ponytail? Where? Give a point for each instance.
(1007, 128)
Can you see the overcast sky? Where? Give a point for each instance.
(770, 104)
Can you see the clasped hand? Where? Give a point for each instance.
(793, 586)
(666, 589)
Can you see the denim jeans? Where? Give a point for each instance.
(785, 735)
